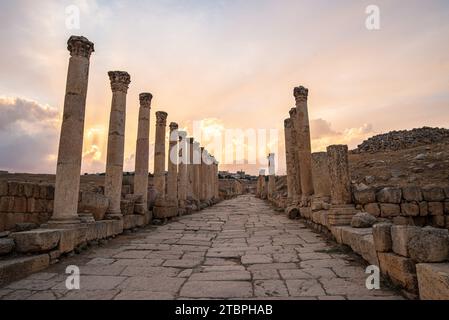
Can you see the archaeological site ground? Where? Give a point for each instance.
(328, 181)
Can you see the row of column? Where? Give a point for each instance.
(183, 176)
(300, 181)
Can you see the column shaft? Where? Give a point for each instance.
(303, 140)
(116, 141)
(68, 168)
(183, 169)
(143, 148)
(172, 176)
(159, 155)
(337, 157)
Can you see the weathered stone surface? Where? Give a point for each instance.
(373, 209)
(423, 209)
(94, 203)
(40, 240)
(362, 220)
(389, 195)
(217, 289)
(382, 237)
(433, 281)
(410, 209)
(364, 196)
(6, 246)
(433, 194)
(436, 208)
(412, 193)
(400, 270)
(429, 245)
(388, 210)
(400, 236)
(14, 269)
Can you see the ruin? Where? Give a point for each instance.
(243, 248)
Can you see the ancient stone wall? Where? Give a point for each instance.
(24, 203)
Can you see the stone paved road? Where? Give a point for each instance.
(240, 248)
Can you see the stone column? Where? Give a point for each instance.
(290, 161)
(303, 140)
(190, 169)
(339, 174)
(295, 150)
(172, 176)
(183, 170)
(159, 155)
(320, 170)
(116, 142)
(197, 170)
(203, 175)
(68, 170)
(143, 148)
(217, 182)
(271, 177)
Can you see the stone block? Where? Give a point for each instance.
(337, 233)
(118, 226)
(436, 208)
(3, 188)
(39, 240)
(400, 236)
(28, 189)
(6, 246)
(128, 222)
(15, 189)
(102, 229)
(446, 208)
(364, 196)
(446, 192)
(18, 268)
(165, 212)
(373, 209)
(362, 220)
(94, 203)
(109, 228)
(410, 209)
(368, 250)
(433, 281)
(389, 195)
(127, 207)
(433, 194)
(68, 241)
(388, 210)
(140, 209)
(351, 236)
(412, 193)
(91, 233)
(400, 270)
(438, 221)
(423, 209)
(140, 220)
(429, 245)
(7, 204)
(403, 221)
(382, 237)
(20, 204)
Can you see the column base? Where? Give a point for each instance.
(114, 216)
(341, 214)
(62, 223)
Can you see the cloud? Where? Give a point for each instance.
(322, 135)
(20, 111)
(28, 136)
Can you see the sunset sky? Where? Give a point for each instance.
(228, 63)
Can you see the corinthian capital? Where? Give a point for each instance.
(145, 100)
(161, 118)
(301, 93)
(80, 46)
(173, 126)
(120, 81)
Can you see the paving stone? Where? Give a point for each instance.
(256, 258)
(217, 289)
(270, 288)
(221, 276)
(143, 295)
(183, 263)
(305, 288)
(156, 284)
(265, 274)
